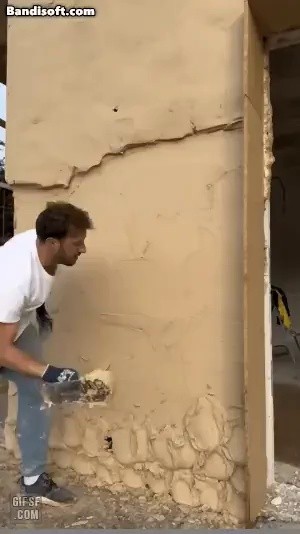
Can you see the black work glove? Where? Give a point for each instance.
(59, 374)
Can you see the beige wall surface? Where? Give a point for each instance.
(136, 116)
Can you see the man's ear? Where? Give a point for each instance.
(54, 243)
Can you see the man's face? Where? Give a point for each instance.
(71, 247)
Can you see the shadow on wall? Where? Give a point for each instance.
(236, 36)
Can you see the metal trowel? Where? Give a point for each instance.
(93, 388)
(59, 392)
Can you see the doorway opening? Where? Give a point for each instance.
(285, 257)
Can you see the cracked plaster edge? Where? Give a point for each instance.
(268, 136)
(235, 124)
(268, 161)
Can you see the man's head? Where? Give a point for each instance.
(61, 230)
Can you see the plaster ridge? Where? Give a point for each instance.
(235, 124)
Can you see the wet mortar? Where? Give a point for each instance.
(95, 390)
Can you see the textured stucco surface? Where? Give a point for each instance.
(158, 297)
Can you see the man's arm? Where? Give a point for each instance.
(11, 357)
(14, 358)
(11, 305)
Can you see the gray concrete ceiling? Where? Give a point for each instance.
(285, 99)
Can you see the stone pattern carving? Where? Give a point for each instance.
(200, 464)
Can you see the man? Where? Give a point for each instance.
(28, 265)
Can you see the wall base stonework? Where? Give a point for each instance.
(199, 464)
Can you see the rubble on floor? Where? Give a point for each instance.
(100, 508)
(282, 508)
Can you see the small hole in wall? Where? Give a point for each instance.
(115, 109)
(109, 443)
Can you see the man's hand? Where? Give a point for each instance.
(59, 374)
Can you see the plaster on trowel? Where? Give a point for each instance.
(93, 388)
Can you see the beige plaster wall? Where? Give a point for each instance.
(136, 115)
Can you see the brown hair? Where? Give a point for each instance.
(59, 219)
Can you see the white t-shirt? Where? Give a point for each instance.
(24, 283)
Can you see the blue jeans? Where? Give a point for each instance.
(34, 417)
